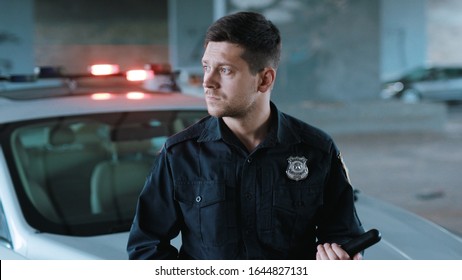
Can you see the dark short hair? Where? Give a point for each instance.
(259, 37)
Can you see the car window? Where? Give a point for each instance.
(453, 73)
(418, 74)
(82, 175)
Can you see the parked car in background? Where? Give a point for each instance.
(436, 83)
(74, 155)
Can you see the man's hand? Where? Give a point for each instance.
(334, 252)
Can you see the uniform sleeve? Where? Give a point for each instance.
(155, 223)
(338, 221)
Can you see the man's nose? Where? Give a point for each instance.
(209, 80)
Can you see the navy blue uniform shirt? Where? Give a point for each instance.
(276, 202)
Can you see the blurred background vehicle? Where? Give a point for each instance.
(436, 83)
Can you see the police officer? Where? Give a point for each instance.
(248, 181)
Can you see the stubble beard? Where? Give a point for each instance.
(221, 107)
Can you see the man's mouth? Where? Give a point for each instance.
(211, 96)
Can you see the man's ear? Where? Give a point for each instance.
(267, 77)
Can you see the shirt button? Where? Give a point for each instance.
(249, 160)
(198, 198)
(248, 196)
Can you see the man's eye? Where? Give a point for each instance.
(206, 68)
(225, 70)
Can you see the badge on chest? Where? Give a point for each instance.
(297, 169)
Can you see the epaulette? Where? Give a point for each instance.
(192, 132)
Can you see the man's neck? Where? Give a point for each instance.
(252, 129)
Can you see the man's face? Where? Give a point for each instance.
(230, 89)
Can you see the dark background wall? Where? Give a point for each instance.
(331, 51)
(331, 48)
(75, 34)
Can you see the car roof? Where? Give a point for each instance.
(14, 109)
(52, 93)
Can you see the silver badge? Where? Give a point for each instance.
(297, 169)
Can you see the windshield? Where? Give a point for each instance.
(82, 175)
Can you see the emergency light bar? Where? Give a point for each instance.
(134, 75)
(153, 77)
(95, 70)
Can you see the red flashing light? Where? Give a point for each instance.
(104, 69)
(139, 75)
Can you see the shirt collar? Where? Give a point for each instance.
(281, 130)
(285, 131)
(212, 131)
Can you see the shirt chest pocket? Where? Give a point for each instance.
(204, 209)
(292, 215)
(297, 199)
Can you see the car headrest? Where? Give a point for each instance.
(61, 136)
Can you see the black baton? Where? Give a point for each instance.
(362, 242)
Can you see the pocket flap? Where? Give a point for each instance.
(200, 193)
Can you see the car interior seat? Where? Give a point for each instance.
(69, 162)
(34, 190)
(117, 183)
(115, 187)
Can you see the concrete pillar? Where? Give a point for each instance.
(17, 37)
(403, 36)
(188, 23)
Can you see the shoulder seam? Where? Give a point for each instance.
(189, 133)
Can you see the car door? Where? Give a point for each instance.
(453, 85)
(433, 85)
(5, 238)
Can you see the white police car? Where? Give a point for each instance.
(74, 155)
(75, 152)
